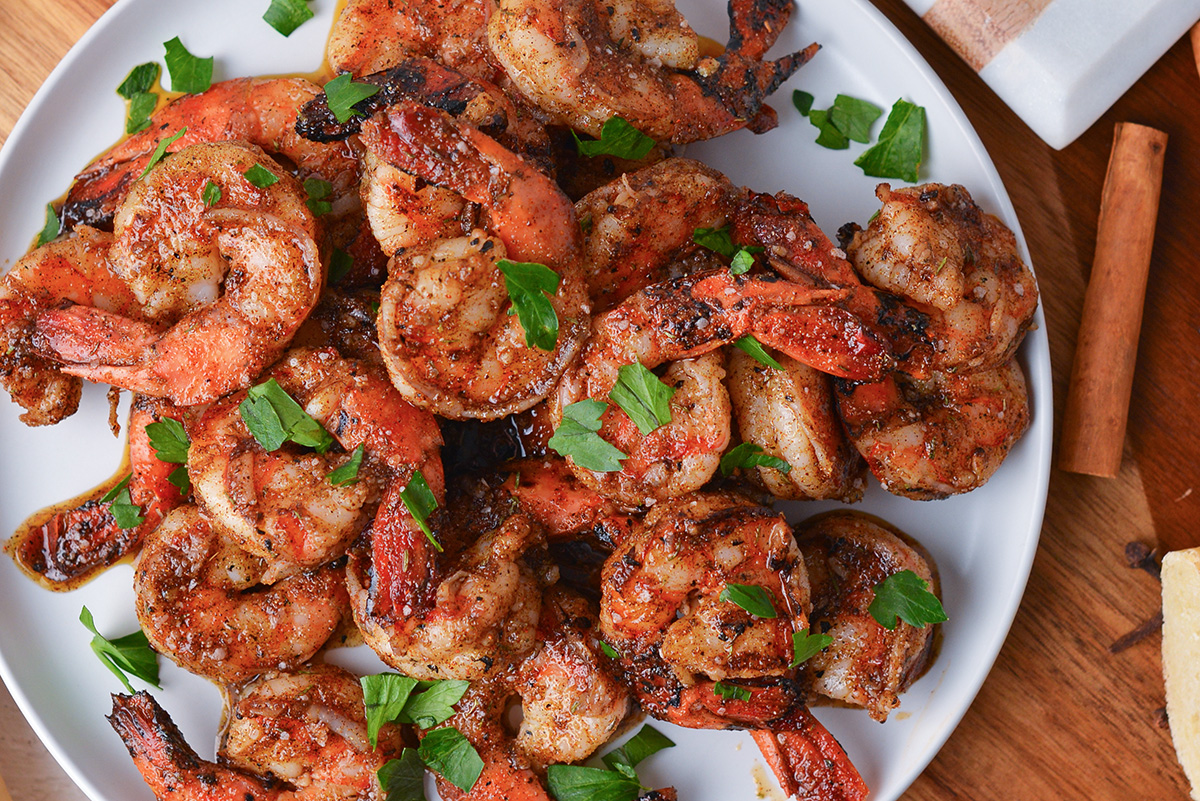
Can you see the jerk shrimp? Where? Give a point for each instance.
(220, 291)
(449, 338)
(281, 505)
(200, 601)
(585, 61)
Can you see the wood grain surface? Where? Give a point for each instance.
(1060, 716)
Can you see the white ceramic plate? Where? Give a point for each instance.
(983, 542)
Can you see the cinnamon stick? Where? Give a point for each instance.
(1093, 432)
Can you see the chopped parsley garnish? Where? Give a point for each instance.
(829, 136)
(609, 651)
(140, 80)
(125, 512)
(643, 396)
(339, 265)
(906, 596)
(189, 74)
(806, 645)
(577, 437)
(171, 443)
(418, 499)
(803, 101)
(129, 654)
(848, 119)
(720, 240)
(647, 741)
(318, 191)
(286, 16)
(141, 106)
(161, 150)
(728, 691)
(211, 195)
(530, 286)
(753, 347)
(448, 753)
(342, 93)
(617, 138)
(273, 417)
(51, 228)
(752, 598)
(260, 176)
(391, 697)
(403, 779)
(348, 472)
(618, 783)
(901, 146)
(749, 455)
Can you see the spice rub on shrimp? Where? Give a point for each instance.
(220, 291)
(585, 61)
(200, 602)
(282, 505)
(446, 328)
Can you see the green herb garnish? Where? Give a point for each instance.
(752, 598)
(749, 455)
(273, 417)
(530, 286)
(318, 191)
(343, 92)
(403, 779)
(286, 16)
(806, 645)
(642, 396)
(448, 753)
(140, 80)
(906, 596)
(125, 512)
(348, 472)
(577, 437)
(339, 265)
(129, 654)
(51, 228)
(617, 138)
(189, 74)
(418, 499)
(751, 346)
(171, 444)
(161, 150)
(901, 146)
(260, 176)
(728, 691)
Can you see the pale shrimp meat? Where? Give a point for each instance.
(928, 438)
(221, 290)
(200, 602)
(847, 555)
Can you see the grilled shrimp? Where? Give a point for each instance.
(666, 610)
(867, 666)
(449, 339)
(259, 111)
(938, 436)
(282, 506)
(309, 728)
(585, 61)
(932, 245)
(639, 228)
(200, 602)
(220, 291)
(790, 414)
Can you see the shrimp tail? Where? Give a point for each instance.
(403, 562)
(169, 765)
(741, 84)
(809, 763)
(418, 79)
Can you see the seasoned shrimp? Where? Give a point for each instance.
(199, 602)
(73, 545)
(281, 506)
(938, 436)
(847, 554)
(639, 228)
(445, 616)
(446, 328)
(661, 606)
(790, 414)
(309, 728)
(172, 769)
(260, 111)
(193, 342)
(585, 61)
(934, 246)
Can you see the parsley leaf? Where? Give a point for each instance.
(286, 16)
(728, 691)
(720, 240)
(578, 783)
(647, 741)
(528, 285)
(854, 117)
(577, 437)
(806, 645)
(829, 135)
(384, 697)
(161, 150)
(742, 261)
(171, 443)
(189, 74)
(752, 598)
(617, 138)
(50, 230)
(643, 396)
(141, 106)
(339, 265)
(211, 195)
(260, 176)
(901, 146)
(749, 455)
(273, 417)
(139, 80)
(403, 779)
(609, 651)
(342, 93)
(418, 499)
(129, 654)
(435, 704)
(318, 191)
(905, 595)
(803, 101)
(348, 472)
(448, 753)
(753, 347)
(125, 512)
